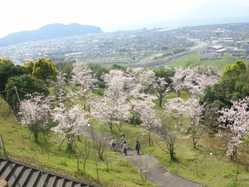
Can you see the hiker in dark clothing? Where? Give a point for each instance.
(113, 144)
(123, 138)
(125, 148)
(138, 147)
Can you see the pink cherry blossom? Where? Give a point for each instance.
(236, 120)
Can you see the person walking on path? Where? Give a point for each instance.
(138, 147)
(123, 138)
(113, 144)
(125, 148)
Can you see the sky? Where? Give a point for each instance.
(112, 15)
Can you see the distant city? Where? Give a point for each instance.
(144, 47)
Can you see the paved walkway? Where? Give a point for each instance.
(153, 171)
(150, 167)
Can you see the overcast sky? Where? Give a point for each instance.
(111, 15)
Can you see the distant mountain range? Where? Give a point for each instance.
(50, 31)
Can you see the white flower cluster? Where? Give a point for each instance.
(236, 120)
(193, 80)
(35, 111)
(70, 122)
(83, 76)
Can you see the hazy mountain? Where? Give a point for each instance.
(49, 32)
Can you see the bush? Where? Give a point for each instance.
(232, 86)
(135, 118)
(44, 69)
(7, 70)
(99, 71)
(19, 86)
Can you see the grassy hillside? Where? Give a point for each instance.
(48, 154)
(198, 165)
(194, 59)
(207, 165)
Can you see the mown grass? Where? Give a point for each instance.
(184, 94)
(194, 59)
(49, 155)
(207, 165)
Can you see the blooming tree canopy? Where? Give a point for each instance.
(83, 76)
(190, 107)
(60, 87)
(145, 79)
(193, 109)
(113, 106)
(162, 83)
(194, 80)
(148, 115)
(113, 111)
(122, 94)
(236, 120)
(120, 83)
(70, 123)
(35, 113)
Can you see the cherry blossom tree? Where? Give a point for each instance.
(191, 108)
(162, 83)
(194, 80)
(60, 84)
(148, 117)
(120, 83)
(70, 123)
(84, 77)
(123, 93)
(111, 110)
(169, 137)
(141, 86)
(145, 79)
(236, 120)
(195, 112)
(114, 107)
(35, 114)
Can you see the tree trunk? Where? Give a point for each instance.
(69, 147)
(84, 164)
(36, 136)
(172, 153)
(97, 168)
(78, 164)
(178, 93)
(111, 127)
(234, 154)
(160, 100)
(194, 140)
(150, 139)
(70, 144)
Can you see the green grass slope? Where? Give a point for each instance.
(207, 165)
(48, 155)
(194, 59)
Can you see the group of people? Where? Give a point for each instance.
(122, 145)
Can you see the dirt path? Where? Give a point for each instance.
(151, 168)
